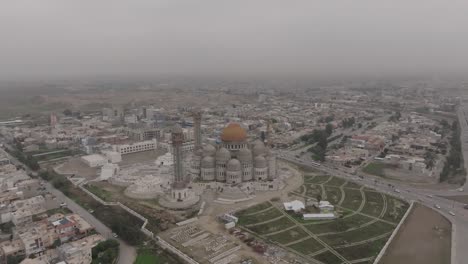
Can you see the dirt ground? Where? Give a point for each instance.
(140, 157)
(425, 238)
(78, 167)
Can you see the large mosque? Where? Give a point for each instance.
(235, 160)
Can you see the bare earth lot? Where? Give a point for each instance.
(419, 241)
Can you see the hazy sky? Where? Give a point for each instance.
(95, 37)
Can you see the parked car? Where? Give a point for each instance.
(115, 235)
(437, 206)
(451, 213)
(63, 204)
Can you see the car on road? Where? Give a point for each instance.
(397, 191)
(465, 206)
(430, 195)
(91, 211)
(460, 189)
(115, 235)
(63, 204)
(437, 206)
(451, 213)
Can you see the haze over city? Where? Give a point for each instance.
(53, 38)
(233, 132)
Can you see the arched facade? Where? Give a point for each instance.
(235, 160)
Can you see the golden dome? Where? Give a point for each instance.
(233, 132)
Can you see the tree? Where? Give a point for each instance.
(328, 129)
(319, 198)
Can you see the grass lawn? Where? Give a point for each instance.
(288, 236)
(318, 179)
(313, 190)
(306, 247)
(328, 258)
(352, 185)
(360, 234)
(333, 194)
(377, 168)
(396, 208)
(335, 181)
(260, 217)
(374, 204)
(366, 250)
(273, 226)
(101, 193)
(308, 178)
(339, 225)
(353, 199)
(254, 208)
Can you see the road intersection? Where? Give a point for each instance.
(452, 210)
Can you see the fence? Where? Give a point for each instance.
(162, 243)
(384, 249)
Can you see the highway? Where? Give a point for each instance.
(459, 220)
(127, 253)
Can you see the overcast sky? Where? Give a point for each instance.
(99, 37)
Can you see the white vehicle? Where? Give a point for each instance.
(460, 189)
(115, 235)
(430, 195)
(451, 213)
(397, 191)
(63, 205)
(437, 206)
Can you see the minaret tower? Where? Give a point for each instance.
(177, 154)
(197, 116)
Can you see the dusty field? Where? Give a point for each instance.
(419, 241)
(76, 166)
(458, 198)
(140, 157)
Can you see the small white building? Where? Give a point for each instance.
(94, 160)
(295, 206)
(325, 206)
(108, 170)
(113, 156)
(326, 216)
(136, 147)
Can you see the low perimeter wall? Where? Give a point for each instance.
(158, 240)
(403, 219)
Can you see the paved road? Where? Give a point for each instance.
(127, 254)
(460, 220)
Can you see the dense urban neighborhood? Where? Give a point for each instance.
(237, 174)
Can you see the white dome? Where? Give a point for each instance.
(209, 150)
(234, 165)
(258, 148)
(245, 155)
(223, 154)
(260, 162)
(207, 162)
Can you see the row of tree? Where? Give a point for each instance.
(453, 163)
(320, 137)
